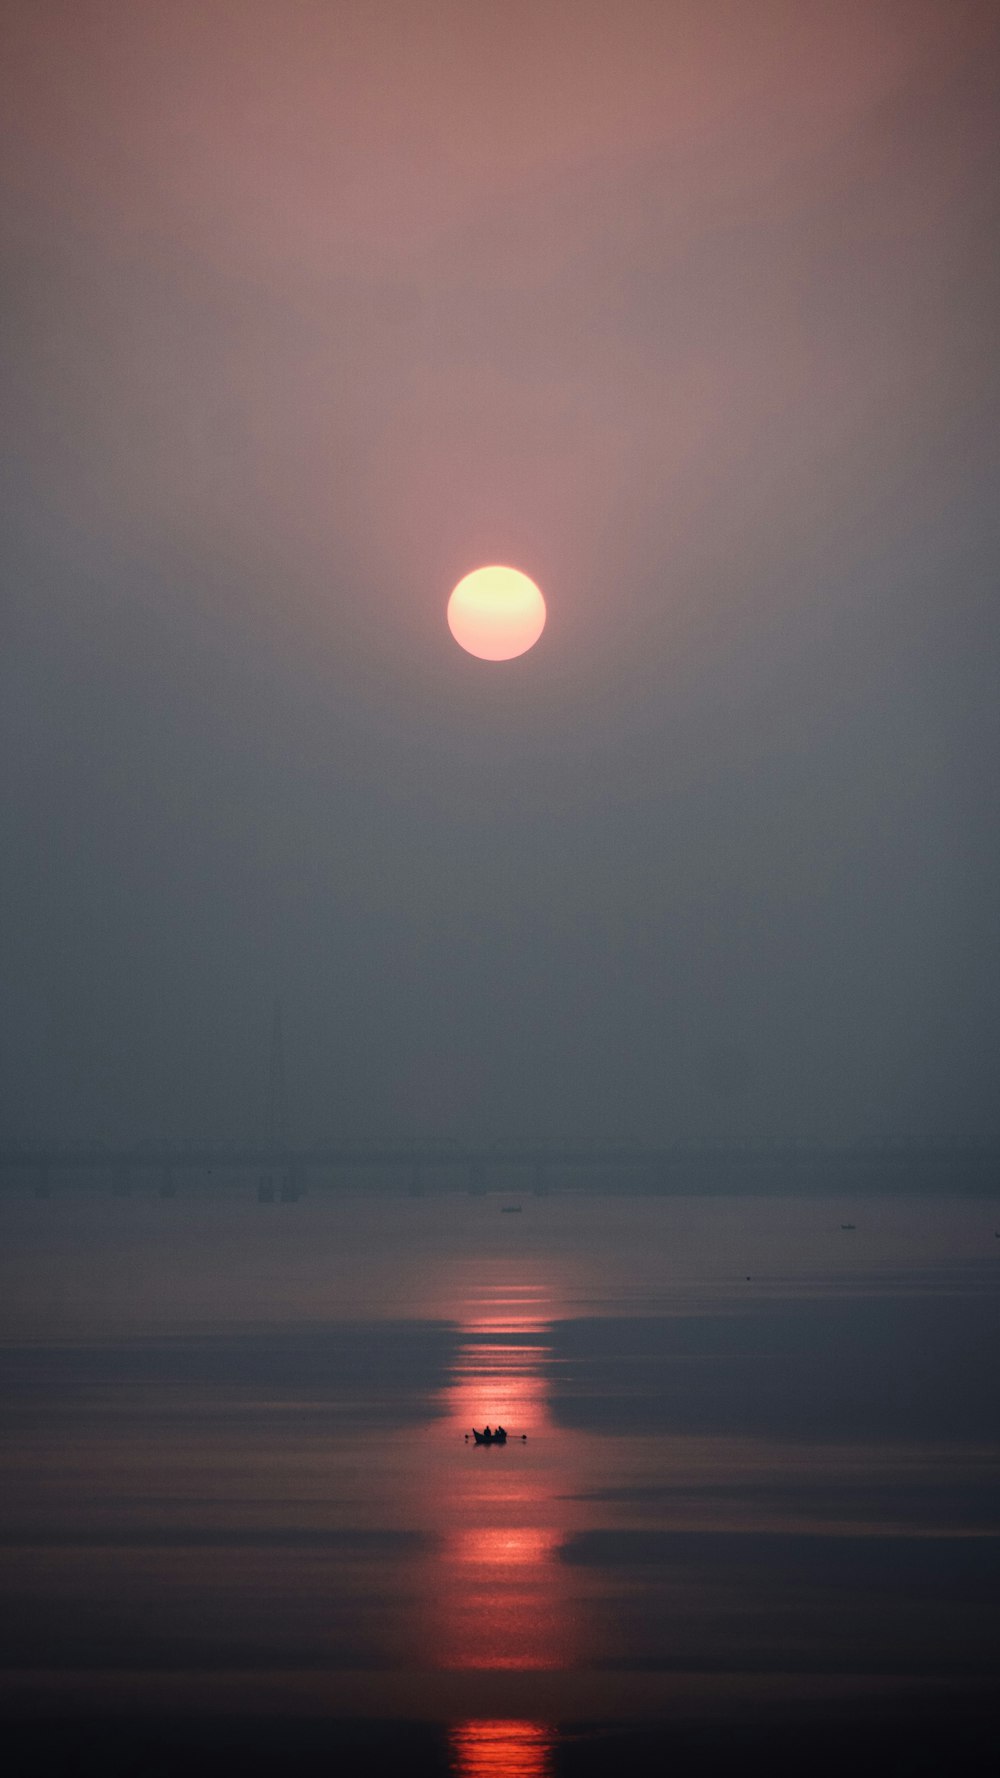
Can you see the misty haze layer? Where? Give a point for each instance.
(687, 310)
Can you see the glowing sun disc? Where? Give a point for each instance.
(496, 613)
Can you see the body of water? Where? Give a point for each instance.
(750, 1488)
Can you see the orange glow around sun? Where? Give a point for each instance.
(496, 613)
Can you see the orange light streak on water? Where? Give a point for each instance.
(501, 1750)
(497, 1596)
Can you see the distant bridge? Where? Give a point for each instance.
(287, 1171)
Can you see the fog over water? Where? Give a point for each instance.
(686, 309)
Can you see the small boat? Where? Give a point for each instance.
(847, 1225)
(511, 1209)
(499, 1437)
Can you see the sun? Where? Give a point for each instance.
(496, 613)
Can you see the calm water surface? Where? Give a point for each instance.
(759, 1467)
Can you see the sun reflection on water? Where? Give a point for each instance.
(499, 1589)
(501, 1750)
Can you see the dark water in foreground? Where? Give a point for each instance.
(756, 1512)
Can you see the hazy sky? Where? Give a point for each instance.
(686, 309)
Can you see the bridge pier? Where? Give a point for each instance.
(294, 1183)
(275, 1169)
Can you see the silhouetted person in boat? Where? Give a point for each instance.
(499, 1433)
(487, 1433)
